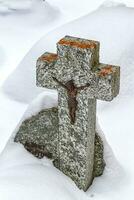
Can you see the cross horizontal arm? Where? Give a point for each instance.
(107, 82)
(44, 70)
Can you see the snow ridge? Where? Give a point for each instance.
(7, 6)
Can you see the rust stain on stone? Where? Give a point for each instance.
(78, 44)
(49, 57)
(106, 70)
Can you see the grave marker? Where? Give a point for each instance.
(80, 79)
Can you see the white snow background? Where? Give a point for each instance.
(22, 176)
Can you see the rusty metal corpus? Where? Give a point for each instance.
(72, 92)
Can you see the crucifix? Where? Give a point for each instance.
(80, 80)
(72, 91)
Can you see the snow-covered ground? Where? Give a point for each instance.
(22, 176)
(42, 179)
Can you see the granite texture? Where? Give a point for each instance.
(99, 163)
(39, 137)
(76, 142)
(39, 134)
(77, 61)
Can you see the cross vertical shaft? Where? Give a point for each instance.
(76, 142)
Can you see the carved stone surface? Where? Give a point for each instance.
(77, 60)
(39, 134)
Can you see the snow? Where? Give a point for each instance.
(11, 112)
(112, 4)
(15, 5)
(22, 175)
(42, 178)
(25, 177)
(22, 29)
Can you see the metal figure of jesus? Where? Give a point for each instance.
(72, 92)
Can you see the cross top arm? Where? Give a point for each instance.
(74, 59)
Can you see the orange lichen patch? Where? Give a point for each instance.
(78, 44)
(106, 70)
(49, 58)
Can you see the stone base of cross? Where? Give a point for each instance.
(80, 79)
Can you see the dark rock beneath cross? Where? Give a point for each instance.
(39, 135)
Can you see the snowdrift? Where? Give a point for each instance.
(32, 178)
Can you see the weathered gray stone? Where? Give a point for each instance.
(39, 135)
(99, 162)
(80, 79)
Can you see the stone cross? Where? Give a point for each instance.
(80, 79)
